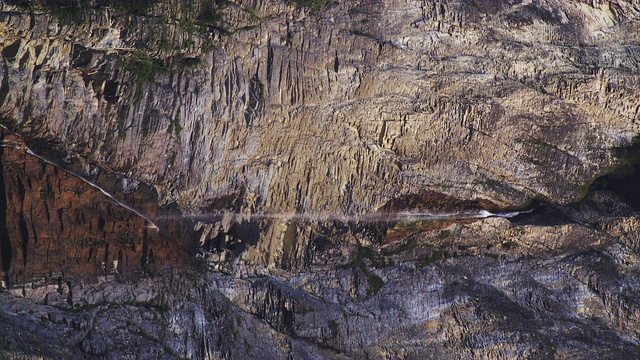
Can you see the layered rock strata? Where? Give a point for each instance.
(273, 135)
(336, 112)
(57, 228)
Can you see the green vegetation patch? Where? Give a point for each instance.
(358, 262)
(313, 5)
(435, 256)
(67, 11)
(358, 257)
(174, 127)
(137, 7)
(629, 156)
(144, 67)
(335, 329)
(489, 182)
(75, 10)
(210, 11)
(407, 246)
(374, 281)
(145, 70)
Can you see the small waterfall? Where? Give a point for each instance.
(387, 217)
(28, 150)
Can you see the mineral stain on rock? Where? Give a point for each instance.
(6, 253)
(58, 227)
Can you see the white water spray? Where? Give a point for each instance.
(373, 217)
(384, 217)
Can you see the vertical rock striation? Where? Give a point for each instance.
(338, 112)
(56, 229)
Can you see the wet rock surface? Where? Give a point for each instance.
(364, 179)
(57, 229)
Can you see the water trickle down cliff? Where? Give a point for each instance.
(59, 228)
(338, 113)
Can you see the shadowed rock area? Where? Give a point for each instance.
(57, 228)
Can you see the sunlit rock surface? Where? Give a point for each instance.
(281, 151)
(337, 112)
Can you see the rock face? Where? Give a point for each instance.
(280, 139)
(338, 112)
(56, 226)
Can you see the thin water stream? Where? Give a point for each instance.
(29, 151)
(384, 217)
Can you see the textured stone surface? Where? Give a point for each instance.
(56, 228)
(338, 112)
(279, 139)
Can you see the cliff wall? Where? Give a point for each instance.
(289, 143)
(337, 112)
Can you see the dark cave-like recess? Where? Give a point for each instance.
(625, 180)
